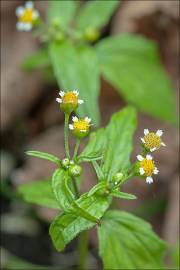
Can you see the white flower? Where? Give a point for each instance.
(69, 97)
(147, 167)
(80, 127)
(152, 141)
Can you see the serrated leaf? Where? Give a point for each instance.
(77, 68)
(119, 134)
(128, 242)
(66, 226)
(61, 10)
(39, 192)
(122, 195)
(96, 13)
(38, 59)
(44, 155)
(131, 64)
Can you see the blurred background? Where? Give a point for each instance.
(30, 119)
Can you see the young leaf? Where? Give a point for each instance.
(122, 195)
(119, 133)
(61, 10)
(44, 155)
(128, 242)
(77, 68)
(66, 198)
(67, 226)
(39, 192)
(38, 59)
(149, 88)
(96, 13)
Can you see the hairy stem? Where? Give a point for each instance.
(66, 131)
(83, 249)
(76, 191)
(76, 148)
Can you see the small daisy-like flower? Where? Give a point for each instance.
(152, 141)
(147, 167)
(69, 101)
(27, 16)
(80, 127)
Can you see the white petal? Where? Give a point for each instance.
(163, 144)
(61, 93)
(29, 4)
(27, 26)
(159, 132)
(142, 140)
(149, 180)
(83, 130)
(141, 170)
(76, 92)
(35, 14)
(19, 11)
(146, 131)
(155, 171)
(74, 118)
(153, 149)
(140, 158)
(20, 26)
(80, 101)
(87, 119)
(71, 127)
(149, 157)
(59, 100)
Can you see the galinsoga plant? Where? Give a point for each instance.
(125, 241)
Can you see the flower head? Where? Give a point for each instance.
(80, 127)
(27, 16)
(147, 167)
(69, 101)
(152, 141)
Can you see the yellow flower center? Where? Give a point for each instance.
(70, 97)
(148, 166)
(152, 140)
(27, 16)
(81, 125)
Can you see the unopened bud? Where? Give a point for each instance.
(75, 170)
(65, 163)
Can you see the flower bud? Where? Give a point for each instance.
(65, 163)
(117, 178)
(80, 127)
(75, 170)
(91, 34)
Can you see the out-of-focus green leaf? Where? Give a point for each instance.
(119, 134)
(131, 63)
(39, 192)
(62, 10)
(67, 226)
(122, 195)
(96, 13)
(44, 155)
(128, 242)
(77, 68)
(38, 59)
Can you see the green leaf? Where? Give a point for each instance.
(122, 195)
(98, 187)
(62, 10)
(38, 59)
(92, 157)
(96, 13)
(44, 155)
(67, 226)
(39, 192)
(119, 132)
(131, 64)
(77, 68)
(128, 242)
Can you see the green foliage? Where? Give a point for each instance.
(119, 134)
(67, 226)
(77, 68)
(96, 13)
(61, 10)
(44, 155)
(39, 59)
(39, 192)
(131, 63)
(128, 242)
(122, 195)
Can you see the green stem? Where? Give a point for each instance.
(76, 148)
(76, 191)
(66, 131)
(83, 249)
